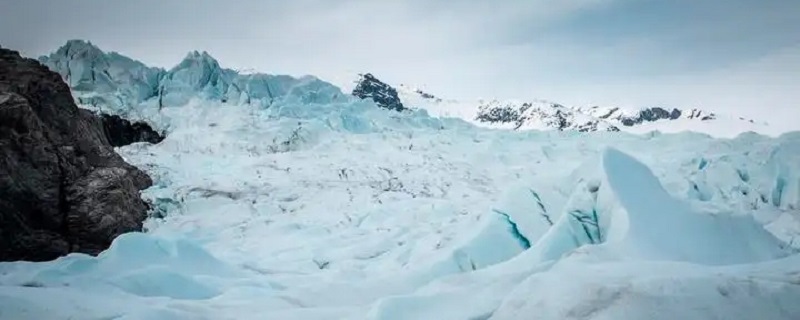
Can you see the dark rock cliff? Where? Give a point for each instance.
(62, 187)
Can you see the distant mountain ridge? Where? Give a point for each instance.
(542, 114)
(115, 84)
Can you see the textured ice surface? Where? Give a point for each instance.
(319, 208)
(343, 210)
(115, 84)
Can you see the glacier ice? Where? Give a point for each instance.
(657, 226)
(302, 203)
(716, 261)
(115, 84)
(344, 210)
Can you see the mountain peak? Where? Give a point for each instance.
(640, 116)
(76, 47)
(80, 43)
(115, 84)
(195, 58)
(546, 115)
(194, 54)
(384, 95)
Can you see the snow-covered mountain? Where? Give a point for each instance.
(115, 84)
(546, 115)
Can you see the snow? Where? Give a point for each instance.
(344, 210)
(723, 127)
(540, 114)
(316, 206)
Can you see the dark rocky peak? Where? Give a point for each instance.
(540, 115)
(420, 93)
(493, 113)
(62, 187)
(384, 95)
(426, 95)
(650, 115)
(121, 132)
(702, 115)
(657, 113)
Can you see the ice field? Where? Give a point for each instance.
(341, 210)
(284, 198)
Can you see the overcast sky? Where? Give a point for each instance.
(738, 56)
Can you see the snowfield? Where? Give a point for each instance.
(347, 211)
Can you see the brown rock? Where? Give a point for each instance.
(62, 187)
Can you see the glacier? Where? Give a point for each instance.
(305, 203)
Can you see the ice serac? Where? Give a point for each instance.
(117, 85)
(658, 257)
(656, 226)
(198, 74)
(626, 208)
(621, 248)
(105, 81)
(62, 187)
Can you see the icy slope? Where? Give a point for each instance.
(343, 210)
(118, 85)
(100, 79)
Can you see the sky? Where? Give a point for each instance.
(732, 56)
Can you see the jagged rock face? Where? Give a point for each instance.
(704, 116)
(650, 115)
(545, 115)
(62, 187)
(504, 114)
(384, 95)
(121, 132)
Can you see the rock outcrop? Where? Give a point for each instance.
(384, 95)
(62, 187)
(540, 114)
(634, 118)
(121, 132)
